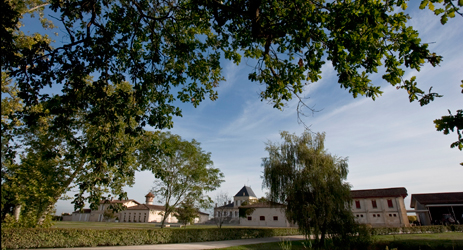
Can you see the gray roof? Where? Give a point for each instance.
(437, 198)
(146, 207)
(376, 193)
(232, 204)
(246, 191)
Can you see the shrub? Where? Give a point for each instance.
(14, 238)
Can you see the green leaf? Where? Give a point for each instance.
(423, 4)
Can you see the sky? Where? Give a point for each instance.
(389, 142)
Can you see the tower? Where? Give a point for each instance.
(149, 198)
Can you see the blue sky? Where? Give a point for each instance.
(389, 142)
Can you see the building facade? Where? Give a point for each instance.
(264, 214)
(229, 211)
(376, 207)
(380, 207)
(134, 212)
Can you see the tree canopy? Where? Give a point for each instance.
(300, 173)
(119, 66)
(184, 174)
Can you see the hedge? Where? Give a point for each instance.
(14, 238)
(417, 229)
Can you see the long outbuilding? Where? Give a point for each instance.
(438, 208)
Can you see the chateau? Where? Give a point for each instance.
(134, 212)
(376, 207)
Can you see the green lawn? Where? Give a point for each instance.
(451, 240)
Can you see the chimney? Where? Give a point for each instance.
(149, 198)
(215, 204)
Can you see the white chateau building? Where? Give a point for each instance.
(376, 207)
(230, 210)
(134, 212)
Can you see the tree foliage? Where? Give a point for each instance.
(311, 182)
(119, 66)
(452, 123)
(183, 173)
(448, 8)
(186, 212)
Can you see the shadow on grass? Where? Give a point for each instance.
(434, 244)
(422, 244)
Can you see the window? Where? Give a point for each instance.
(389, 204)
(236, 213)
(379, 215)
(357, 204)
(373, 204)
(358, 215)
(374, 215)
(124, 217)
(249, 218)
(361, 215)
(275, 217)
(390, 215)
(129, 218)
(144, 218)
(395, 215)
(262, 217)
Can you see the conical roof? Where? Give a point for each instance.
(246, 191)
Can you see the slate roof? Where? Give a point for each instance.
(437, 198)
(117, 201)
(203, 213)
(246, 191)
(232, 204)
(146, 207)
(377, 193)
(263, 205)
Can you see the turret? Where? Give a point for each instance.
(149, 198)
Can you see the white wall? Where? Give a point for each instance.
(268, 218)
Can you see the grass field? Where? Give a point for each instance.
(451, 240)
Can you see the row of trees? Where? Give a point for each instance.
(48, 167)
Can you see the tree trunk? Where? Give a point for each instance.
(163, 221)
(322, 238)
(17, 211)
(50, 205)
(166, 214)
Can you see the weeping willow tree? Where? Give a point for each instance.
(300, 173)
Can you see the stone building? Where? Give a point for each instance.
(230, 210)
(134, 212)
(380, 207)
(265, 214)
